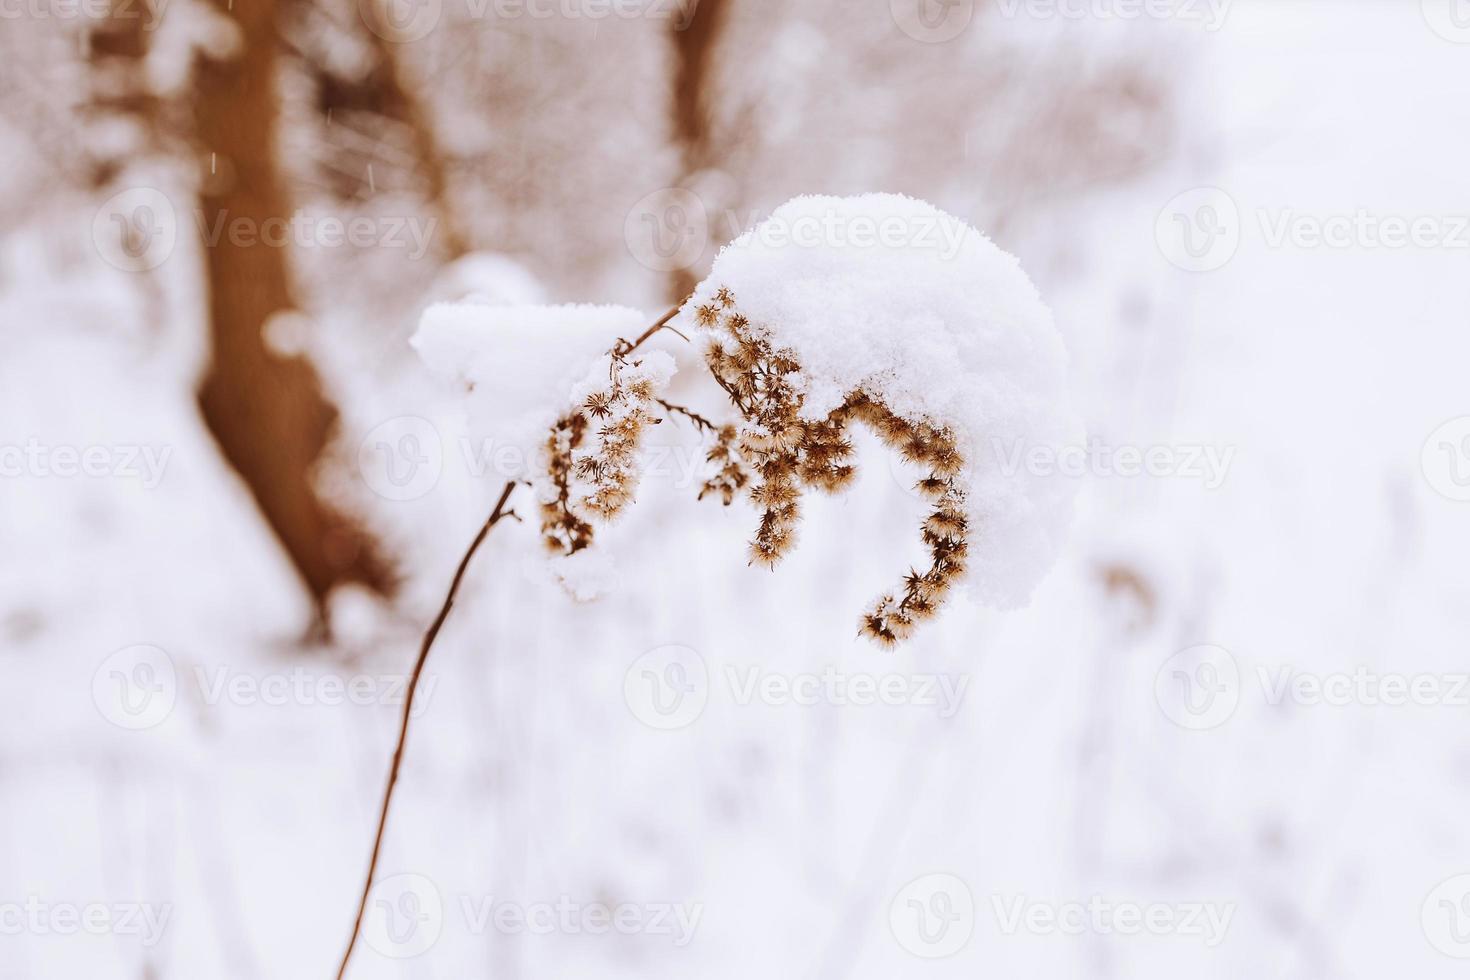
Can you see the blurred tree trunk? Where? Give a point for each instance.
(694, 46)
(266, 411)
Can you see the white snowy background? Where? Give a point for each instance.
(827, 840)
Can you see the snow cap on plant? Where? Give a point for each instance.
(556, 405)
(884, 310)
(518, 365)
(879, 311)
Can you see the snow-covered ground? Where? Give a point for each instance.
(1134, 776)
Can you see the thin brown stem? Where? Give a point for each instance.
(413, 683)
(700, 422)
(625, 347)
(622, 349)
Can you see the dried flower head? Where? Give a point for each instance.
(928, 347)
(788, 452)
(598, 482)
(562, 531)
(773, 453)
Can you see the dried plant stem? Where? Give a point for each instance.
(700, 422)
(499, 512)
(622, 349)
(612, 420)
(626, 347)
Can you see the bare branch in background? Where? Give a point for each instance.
(694, 44)
(386, 91)
(119, 90)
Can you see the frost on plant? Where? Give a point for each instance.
(592, 458)
(788, 452)
(556, 403)
(879, 311)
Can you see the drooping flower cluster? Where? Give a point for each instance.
(935, 340)
(780, 447)
(945, 530)
(562, 531)
(732, 476)
(614, 405)
(788, 452)
(619, 414)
